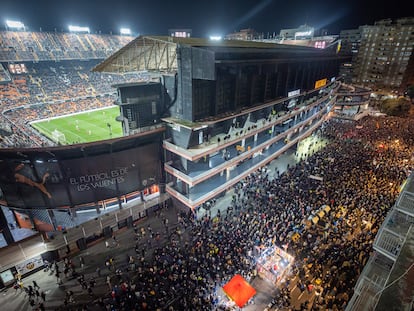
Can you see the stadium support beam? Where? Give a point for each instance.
(155, 54)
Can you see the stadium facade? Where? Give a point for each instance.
(235, 105)
(209, 114)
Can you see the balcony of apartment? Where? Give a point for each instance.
(395, 228)
(405, 203)
(371, 281)
(223, 171)
(388, 243)
(385, 283)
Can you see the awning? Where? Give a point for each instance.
(239, 290)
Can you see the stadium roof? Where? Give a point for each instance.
(159, 53)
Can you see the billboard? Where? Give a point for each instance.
(320, 83)
(294, 93)
(53, 182)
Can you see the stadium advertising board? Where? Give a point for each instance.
(293, 93)
(320, 83)
(30, 265)
(50, 183)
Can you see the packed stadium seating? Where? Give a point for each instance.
(39, 46)
(46, 74)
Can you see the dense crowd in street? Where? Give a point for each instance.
(362, 167)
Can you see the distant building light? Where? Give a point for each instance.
(180, 34)
(303, 33)
(125, 31)
(14, 24)
(78, 29)
(320, 44)
(215, 38)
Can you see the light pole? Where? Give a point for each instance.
(110, 129)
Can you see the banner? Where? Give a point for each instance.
(320, 83)
(30, 265)
(50, 182)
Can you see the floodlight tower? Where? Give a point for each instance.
(73, 28)
(125, 31)
(215, 38)
(14, 25)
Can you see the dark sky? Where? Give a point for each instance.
(205, 17)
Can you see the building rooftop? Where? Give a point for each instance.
(159, 53)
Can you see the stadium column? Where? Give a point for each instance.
(5, 228)
(72, 212)
(116, 183)
(66, 185)
(52, 219)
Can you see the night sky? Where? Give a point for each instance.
(207, 17)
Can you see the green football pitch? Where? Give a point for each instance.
(81, 127)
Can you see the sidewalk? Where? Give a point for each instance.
(95, 256)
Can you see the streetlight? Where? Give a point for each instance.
(110, 129)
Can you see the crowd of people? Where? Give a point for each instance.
(49, 89)
(33, 293)
(38, 46)
(361, 169)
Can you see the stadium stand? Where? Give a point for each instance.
(39, 46)
(4, 76)
(47, 74)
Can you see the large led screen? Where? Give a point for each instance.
(51, 182)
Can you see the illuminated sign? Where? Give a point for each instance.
(293, 93)
(125, 31)
(17, 68)
(215, 38)
(303, 33)
(30, 265)
(181, 34)
(320, 44)
(14, 24)
(320, 83)
(78, 29)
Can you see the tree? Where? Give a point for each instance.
(410, 92)
(398, 107)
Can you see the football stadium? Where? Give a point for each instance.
(81, 127)
(116, 147)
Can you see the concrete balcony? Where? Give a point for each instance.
(218, 142)
(219, 183)
(217, 164)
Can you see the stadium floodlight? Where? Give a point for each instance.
(125, 31)
(215, 38)
(73, 28)
(14, 24)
